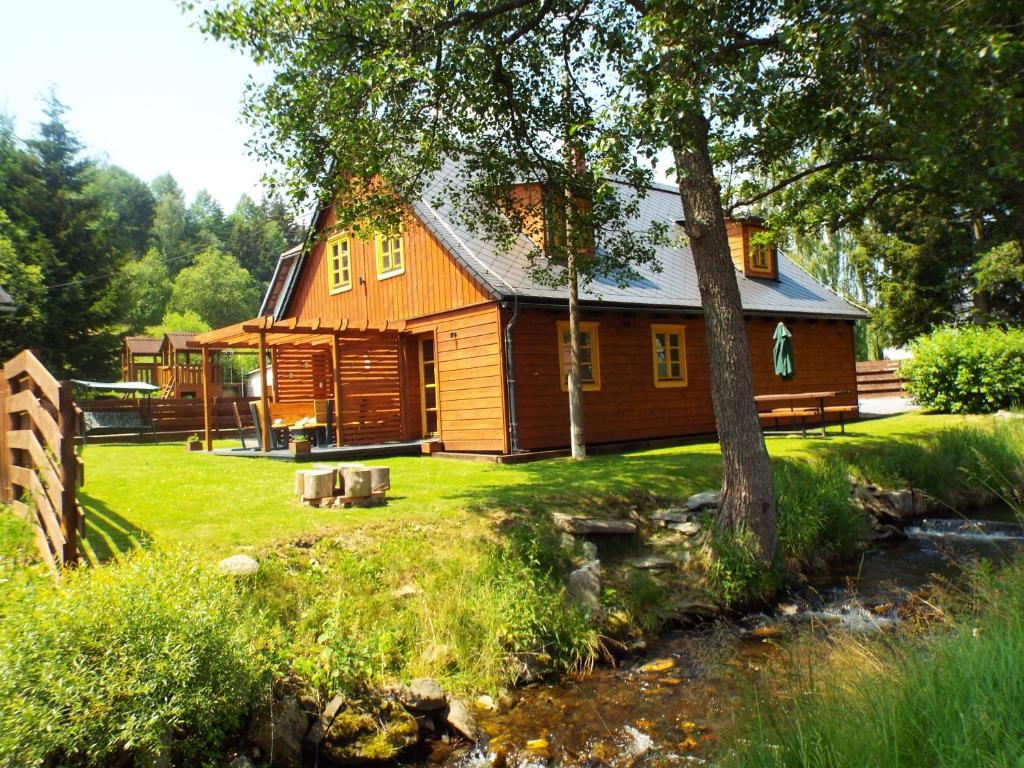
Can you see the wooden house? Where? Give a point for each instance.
(433, 332)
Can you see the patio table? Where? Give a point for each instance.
(821, 397)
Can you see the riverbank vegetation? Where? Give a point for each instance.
(946, 700)
(967, 370)
(461, 577)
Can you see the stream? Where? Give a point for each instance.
(672, 705)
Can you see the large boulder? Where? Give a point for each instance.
(584, 586)
(461, 721)
(238, 565)
(421, 695)
(278, 731)
(704, 500)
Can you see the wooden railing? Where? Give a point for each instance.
(39, 469)
(879, 378)
(175, 415)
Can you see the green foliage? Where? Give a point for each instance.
(217, 288)
(154, 654)
(816, 515)
(967, 370)
(187, 321)
(954, 702)
(145, 287)
(999, 279)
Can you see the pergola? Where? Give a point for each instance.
(264, 334)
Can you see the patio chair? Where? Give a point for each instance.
(274, 442)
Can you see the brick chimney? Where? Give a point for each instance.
(752, 254)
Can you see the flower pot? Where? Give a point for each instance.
(300, 448)
(194, 445)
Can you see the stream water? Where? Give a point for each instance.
(672, 706)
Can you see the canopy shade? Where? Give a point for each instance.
(782, 352)
(288, 333)
(117, 386)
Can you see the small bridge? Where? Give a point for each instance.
(40, 471)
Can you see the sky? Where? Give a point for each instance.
(144, 89)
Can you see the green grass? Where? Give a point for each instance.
(137, 493)
(951, 700)
(472, 542)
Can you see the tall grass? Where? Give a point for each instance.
(459, 606)
(952, 701)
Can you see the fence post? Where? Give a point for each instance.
(5, 457)
(68, 466)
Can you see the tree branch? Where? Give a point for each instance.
(804, 174)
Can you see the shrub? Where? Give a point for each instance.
(153, 655)
(967, 370)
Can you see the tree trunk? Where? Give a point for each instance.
(577, 439)
(748, 493)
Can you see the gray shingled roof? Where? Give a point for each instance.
(506, 273)
(6, 302)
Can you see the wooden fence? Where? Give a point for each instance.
(169, 417)
(879, 378)
(39, 469)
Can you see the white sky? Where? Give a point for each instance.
(143, 88)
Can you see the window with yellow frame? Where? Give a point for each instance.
(339, 263)
(390, 255)
(590, 355)
(668, 347)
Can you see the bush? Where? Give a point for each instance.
(150, 656)
(967, 370)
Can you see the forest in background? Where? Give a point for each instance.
(89, 252)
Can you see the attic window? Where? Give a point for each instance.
(339, 264)
(390, 256)
(761, 257)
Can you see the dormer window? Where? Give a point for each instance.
(752, 252)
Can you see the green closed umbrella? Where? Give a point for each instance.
(783, 352)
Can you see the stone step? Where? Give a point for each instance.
(592, 526)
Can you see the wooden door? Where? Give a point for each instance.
(428, 387)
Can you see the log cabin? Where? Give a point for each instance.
(433, 333)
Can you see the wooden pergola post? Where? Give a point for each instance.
(264, 403)
(339, 434)
(206, 400)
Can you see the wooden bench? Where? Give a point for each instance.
(317, 414)
(843, 410)
(792, 414)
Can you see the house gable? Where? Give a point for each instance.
(430, 281)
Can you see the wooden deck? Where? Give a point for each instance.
(330, 452)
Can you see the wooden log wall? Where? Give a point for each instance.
(371, 397)
(629, 407)
(470, 376)
(432, 282)
(39, 469)
(302, 374)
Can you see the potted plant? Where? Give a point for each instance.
(193, 443)
(299, 445)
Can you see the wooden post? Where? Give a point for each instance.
(339, 434)
(68, 467)
(264, 403)
(403, 390)
(5, 488)
(207, 437)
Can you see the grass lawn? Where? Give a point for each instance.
(135, 494)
